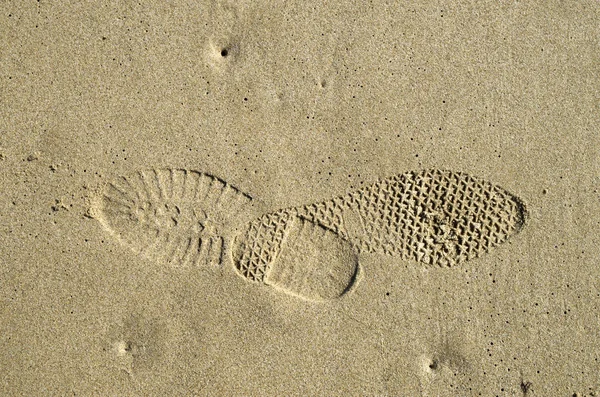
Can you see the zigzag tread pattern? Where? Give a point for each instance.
(256, 249)
(435, 217)
(327, 214)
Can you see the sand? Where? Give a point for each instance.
(300, 198)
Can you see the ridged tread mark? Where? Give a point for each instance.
(177, 217)
(435, 217)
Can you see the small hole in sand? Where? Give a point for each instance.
(434, 365)
(224, 52)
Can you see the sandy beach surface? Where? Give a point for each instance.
(301, 198)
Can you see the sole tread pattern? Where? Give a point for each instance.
(256, 249)
(180, 217)
(175, 216)
(436, 217)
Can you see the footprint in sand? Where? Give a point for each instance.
(173, 216)
(436, 217)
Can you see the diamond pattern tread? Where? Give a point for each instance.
(436, 217)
